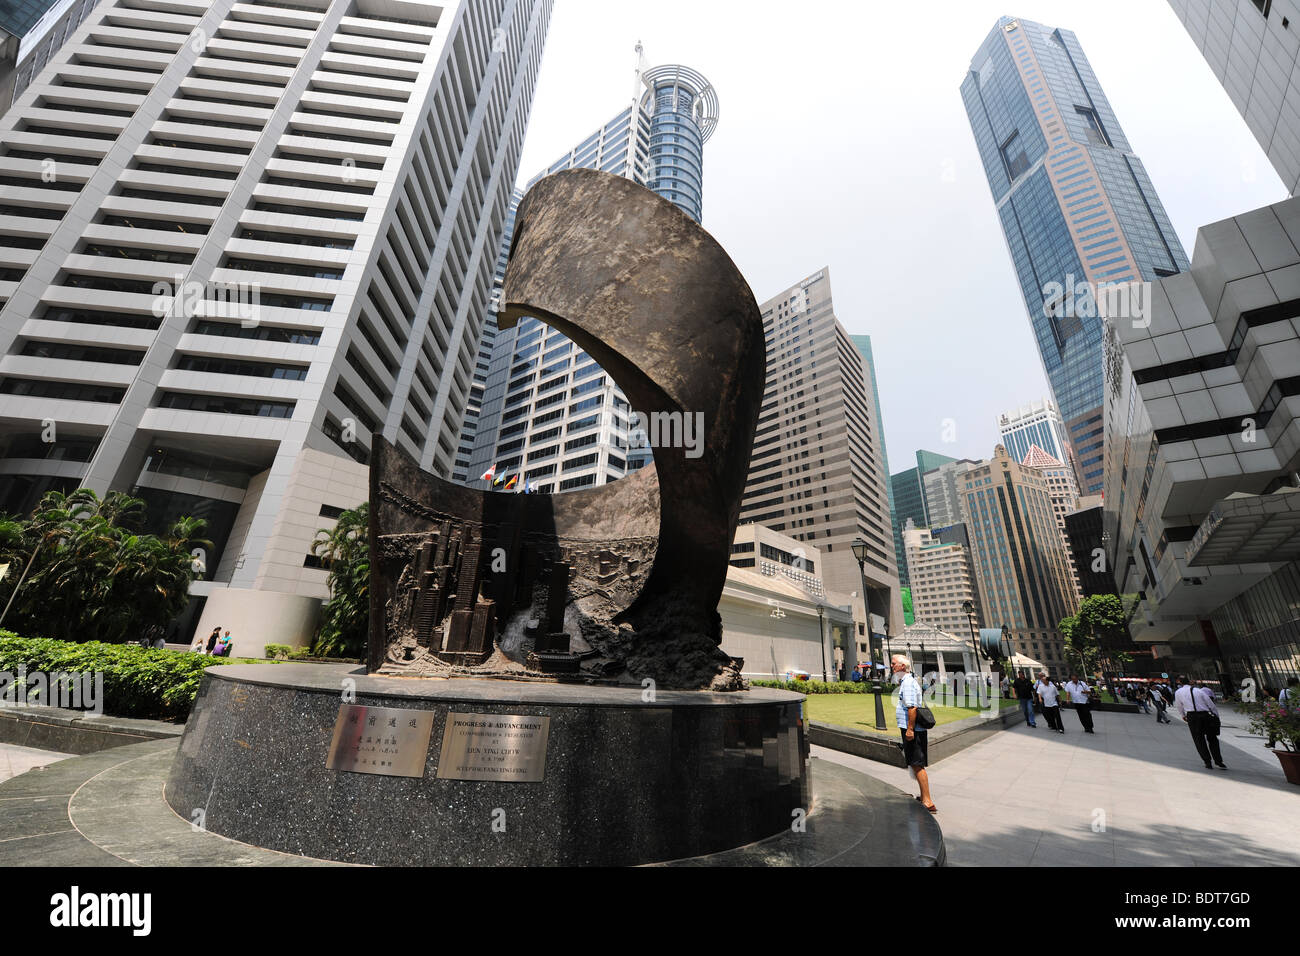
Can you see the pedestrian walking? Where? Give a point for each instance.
(1196, 705)
(1080, 695)
(1140, 698)
(1161, 704)
(1048, 698)
(1025, 694)
(915, 738)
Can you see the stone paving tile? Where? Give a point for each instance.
(1024, 796)
(15, 760)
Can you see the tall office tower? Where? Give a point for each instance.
(228, 264)
(1077, 208)
(1064, 492)
(863, 343)
(487, 342)
(549, 412)
(1252, 47)
(32, 31)
(942, 492)
(815, 472)
(908, 491)
(1019, 555)
(1038, 423)
(942, 581)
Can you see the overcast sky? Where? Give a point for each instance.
(843, 143)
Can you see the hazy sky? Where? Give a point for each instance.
(843, 143)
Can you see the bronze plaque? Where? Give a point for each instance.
(384, 740)
(501, 747)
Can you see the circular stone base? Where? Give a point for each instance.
(624, 780)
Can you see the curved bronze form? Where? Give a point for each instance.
(621, 581)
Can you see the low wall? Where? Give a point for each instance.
(75, 731)
(945, 740)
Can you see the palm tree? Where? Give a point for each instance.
(345, 550)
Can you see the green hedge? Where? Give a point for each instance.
(821, 687)
(138, 682)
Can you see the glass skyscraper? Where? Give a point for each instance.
(547, 411)
(1077, 208)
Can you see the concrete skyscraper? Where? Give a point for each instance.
(549, 412)
(816, 471)
(1077, 208)
(239, 240)
(1252, 47)
(1019, 555)
(907, 491)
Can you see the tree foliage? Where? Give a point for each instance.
(90, 573)
(345, 550)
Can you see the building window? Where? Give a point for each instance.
(1096, 134)
(1263, 6)
(1013, 155)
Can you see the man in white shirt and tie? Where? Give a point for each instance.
(1196, 705)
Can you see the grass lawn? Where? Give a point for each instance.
(858, 711)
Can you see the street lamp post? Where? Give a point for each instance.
(969, 608)
(860, 552)
(821, 638)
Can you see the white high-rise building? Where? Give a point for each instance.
(1038, 423)
(239, 239)
(943, 580)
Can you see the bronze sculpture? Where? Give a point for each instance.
(620, 582)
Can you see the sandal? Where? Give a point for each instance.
(932, 808)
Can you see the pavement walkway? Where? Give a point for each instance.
(1135, 793)
(15, 760)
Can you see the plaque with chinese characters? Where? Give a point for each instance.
(382, 740)
(501, 747)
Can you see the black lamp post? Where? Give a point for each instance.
(860, 552)
(969, 608)
(821, 638)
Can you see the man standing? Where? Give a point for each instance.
(1048, 692)
(1196, 705)
(1025, 694)
(915, 740)
(1080, 695)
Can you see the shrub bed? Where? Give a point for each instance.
(138, 682)
(821, 687)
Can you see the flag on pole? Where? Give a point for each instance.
(530, 487)
(512, 482)
(489, 474)
(499, 480)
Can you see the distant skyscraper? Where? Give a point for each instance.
(908, 491)
(1019, 555)
(942, 580)
(1075, 203)
(863, 342)
(816, 473)
(226, 266)
(548, 411)
(942, 495)
(1038, 424)
(1251, 45)
(1064, 492)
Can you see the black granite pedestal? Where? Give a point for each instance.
(626, 780)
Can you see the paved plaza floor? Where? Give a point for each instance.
(15, 760)
(1135, 793)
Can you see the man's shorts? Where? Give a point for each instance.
(915, 751)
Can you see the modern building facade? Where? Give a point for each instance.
(863, 343)
(771, 554)
(816, 473)
(943, 494)
(907, 488)
(1252, 47)
(1076, 206)
(1064, 494)
(942, 581)
(32, 31)
(1201, 528)
(548, 412)
(1019, 556)
(1038, 423)
(251, 256)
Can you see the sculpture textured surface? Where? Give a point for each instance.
(620, 582)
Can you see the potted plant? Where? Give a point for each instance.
(1280, 721)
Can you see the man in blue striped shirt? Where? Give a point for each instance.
(915, 741)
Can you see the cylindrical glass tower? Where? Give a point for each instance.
(683, 109)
